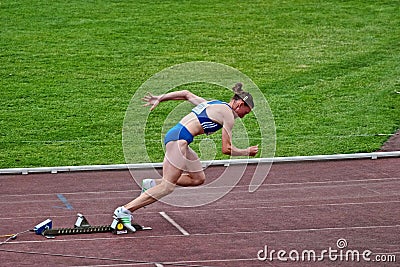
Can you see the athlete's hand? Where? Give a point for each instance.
(151, 100)
(253, 150)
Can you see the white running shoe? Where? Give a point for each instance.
(126, 217)
(147, 184)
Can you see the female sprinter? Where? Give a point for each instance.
(181, 164)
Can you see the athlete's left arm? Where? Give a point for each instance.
(227, 147)
(178, 95)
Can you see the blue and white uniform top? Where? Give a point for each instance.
(208, 125)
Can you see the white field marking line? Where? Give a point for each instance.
(302, 230)
(68, 216)
(356, 181)
(305, 205)
(44, 240)
(237, 192)
(239, 203)
(120, 264)
(327, 184)
(248, 203)
(73, 200)
(214, 260)
(265, 188)
(233, 192)
(75, 193)
(190, 262)
(244, 203)
(293, 206)
(171, 221)
(214, 234)
(236, 208)
(213, 187)
(371, 190)
(132, 262)
(313, 187)
(376, 193)
(113, 264)
(255, 259)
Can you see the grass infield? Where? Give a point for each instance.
(329, 70)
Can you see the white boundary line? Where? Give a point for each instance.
(171, 221)
(374, 155)
(354, 182)
(258, 232)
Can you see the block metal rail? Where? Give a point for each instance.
(374, 155)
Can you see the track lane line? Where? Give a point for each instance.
(256, 232)
(171, 221)
(306, 184)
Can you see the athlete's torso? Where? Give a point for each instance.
(209, 126)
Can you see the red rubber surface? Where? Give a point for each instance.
(300, 206)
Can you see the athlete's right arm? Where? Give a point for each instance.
(153, 101)
(228, 148)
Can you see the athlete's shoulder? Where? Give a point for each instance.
(220, 111)
(214, 102)
(220, 104)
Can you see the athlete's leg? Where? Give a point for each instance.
(193, 174)
(174, 163)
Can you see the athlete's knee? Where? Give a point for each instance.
(167, 187)
(200, 178)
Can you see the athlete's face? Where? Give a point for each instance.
(242, 109)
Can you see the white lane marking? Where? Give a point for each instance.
(255, 232)
(171, 221)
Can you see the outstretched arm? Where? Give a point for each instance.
(153, 101)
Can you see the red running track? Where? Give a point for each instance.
(300, 208)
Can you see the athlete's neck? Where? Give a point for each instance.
(231, 104)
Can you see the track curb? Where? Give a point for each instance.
(113, 167)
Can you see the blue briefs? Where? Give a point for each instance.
(178, 132)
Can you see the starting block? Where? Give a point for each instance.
(82, 226)
(81, 221)
(119, 228)
(43, 226)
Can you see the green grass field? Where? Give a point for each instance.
(329, 70)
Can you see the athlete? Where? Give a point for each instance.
(181, 164)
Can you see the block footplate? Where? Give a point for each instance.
(82, 226)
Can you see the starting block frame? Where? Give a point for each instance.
(43, 226)
(82, 226)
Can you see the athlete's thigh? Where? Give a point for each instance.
(175, 153)
(174, 160)
(179, 157)
(171, 174)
